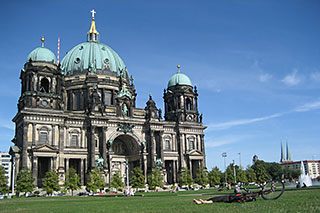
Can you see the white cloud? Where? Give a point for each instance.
(264, 77)
(223, 140)
(227, 125)
(315, 76)
(308, 107)
(292, 79)
(7, 124)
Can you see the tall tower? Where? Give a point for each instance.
(282, 159)
(288, 158)
(181, 99)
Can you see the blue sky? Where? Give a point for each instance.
(256, 63)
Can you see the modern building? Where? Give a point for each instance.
(82, 111)
(5, 162)
(312, 167)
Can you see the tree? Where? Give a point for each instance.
(117, 181)
(202, 177)
(291, 173)
(155, 179)
(95, 181)
(251, 175)
(72, 181)
(51, 182)
(261, 172)
(214, 176)
(185, 178)
(137, 179)
(241, 175)
(4, 189)
(230, 173)
(25, 181)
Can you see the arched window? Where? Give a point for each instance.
(43, 135)
(188, 104)
(191, 144)
(74, 140)
(44, 85)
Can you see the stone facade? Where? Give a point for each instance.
(71, 121)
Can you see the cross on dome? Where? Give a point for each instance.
(92, 13)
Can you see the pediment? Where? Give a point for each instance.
(45, 148)
(194, 153)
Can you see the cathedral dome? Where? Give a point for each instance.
(93, 57)
(42, 54)
(179, 79)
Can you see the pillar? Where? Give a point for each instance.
(203, 151)
(92, 149)
(82, 171)
(67, 165)
(25, 145)
(104, 147)
(35, 169)
(33, 134)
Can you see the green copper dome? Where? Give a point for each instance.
(95, 57)
(179, 79)
(42, 54)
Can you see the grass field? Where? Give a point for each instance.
(291, 201)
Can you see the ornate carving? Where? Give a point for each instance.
(125, 128)
(159, 163)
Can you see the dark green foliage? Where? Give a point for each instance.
(251, 175)
(230, 173)
(117, 181)
(185, 178)
(24, 181)
(261, 172)
(241, 175)
(202, 177)
(214, 176)
(137, 179)
(155, 179)
(4, 189)
(72, 180)
(51, 182)
(291, 173)
(95, 181)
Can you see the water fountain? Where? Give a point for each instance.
(304, 178)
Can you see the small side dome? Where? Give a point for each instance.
(179, 79)
(42, 54)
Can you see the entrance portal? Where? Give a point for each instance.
(43, 168)
(125, 148)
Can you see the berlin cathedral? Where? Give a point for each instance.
(82, 112)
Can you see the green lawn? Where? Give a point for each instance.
(291, 201)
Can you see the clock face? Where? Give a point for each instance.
(189, 117)
(44, 103)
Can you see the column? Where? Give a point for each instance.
(67, 165)
(53, 142)
(152, 149)
(35, 170)
(92, 149)
(34, 134)
(61, 138)
(174, 171)
(161, 147)
(203, 151)
(82, 171)
(104, 147)
(54, 163)
(25, 145)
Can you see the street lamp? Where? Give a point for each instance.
(224, 155)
